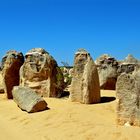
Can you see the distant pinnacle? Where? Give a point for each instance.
(130, 59)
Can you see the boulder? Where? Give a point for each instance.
(11, 64)
(85, 81)
(107, 69)
(128, 98)
(41, 73)
(28, 100)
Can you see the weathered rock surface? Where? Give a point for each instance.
(28, 100)
(128, 65)
(41, 73)
(107, 69)
(85, 81)
(128, 99)
(11, 64)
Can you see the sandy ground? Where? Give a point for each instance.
(65, 120)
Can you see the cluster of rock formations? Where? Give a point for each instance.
(110, 69)
(38, 74)
(28, 79)
(124, 76)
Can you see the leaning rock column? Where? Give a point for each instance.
(85, 82)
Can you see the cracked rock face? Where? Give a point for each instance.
(11, 64)
(85, 81)
(107, 69)
(41, 73)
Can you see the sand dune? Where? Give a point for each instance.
(64, 120)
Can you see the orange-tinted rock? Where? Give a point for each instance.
(11, 64)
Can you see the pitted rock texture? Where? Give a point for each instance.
(128, 98)
(41, 73)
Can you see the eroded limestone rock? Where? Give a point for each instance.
(128, 98)
(11, 64)
(128, 65)
(28, 100)
(41, 73)
(107, 69)
(85, 81)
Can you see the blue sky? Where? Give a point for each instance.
(63, 26)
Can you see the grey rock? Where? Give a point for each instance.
(128, 65)
(28, 100)
(107, 69)
(130, 59)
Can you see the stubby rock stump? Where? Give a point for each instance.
(128, 99)
(11, 64)
(107, 69)
(41, 73)
(28, 100)
(85, 81)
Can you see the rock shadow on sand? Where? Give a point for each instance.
(106, 99)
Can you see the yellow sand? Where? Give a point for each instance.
(64, 121)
